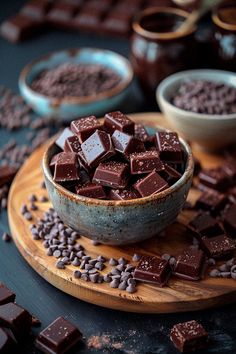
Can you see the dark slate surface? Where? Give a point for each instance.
(147, 334)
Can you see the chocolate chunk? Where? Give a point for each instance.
(126, 144)
(62, 13)
(97, 148)
(118, 121)
(66, 167)
(36, 8)
(85, 127)
(6, 295)
(211, 201)
(91, 191)
(72, 144)
(141, 133)
(6, 237)
(190, 264)
(125, 194)
(112, 174)
(19, 27)
(169, 147)
(229, 220)
(117, 24)
(88, 20)
(152, 269)
(150, 185)
(7, 173)
(170, 174)
(58, 337)
(7, 343)
(16, 318)
(218, 246)
(60, 142)
(189, 336)
(204, 225)
(215, 178)
(145, 162)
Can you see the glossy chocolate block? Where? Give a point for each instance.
(218, 246)
(17, 319)
(145, 162)
(151, 184)
(229, 220)
(152, 269)
(6, 295)
(124, 194)
(190, 264)
(85, 127)
(204, 225)
(58, 337)
(91, 190)
(19, 27)
(215, 178)
(112, 174)
(97, 148)
(211, 201)
(189, 336)
(66, 167)
(169, 147)
(65, 134)
(72, 144)
(36, 8)
(118, 121)
(126, 144)
(7, 343)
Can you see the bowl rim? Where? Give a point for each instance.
(188, 174)
(172, 79)
(221, 23)
(121, 86)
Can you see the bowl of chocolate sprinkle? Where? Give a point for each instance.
(72, 83)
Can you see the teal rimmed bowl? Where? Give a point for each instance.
(68, 108)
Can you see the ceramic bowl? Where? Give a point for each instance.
(68, 108)
(210, 132)
(119, 222)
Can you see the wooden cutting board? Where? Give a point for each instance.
(178, 296)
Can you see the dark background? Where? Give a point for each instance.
(138, 334)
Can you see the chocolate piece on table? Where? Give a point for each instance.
(126, 144)
(211, 201)
(170, 174)
(125, 194)
(66, 167)
(152, 269)
(7, 173)
(97, 148)
(169, 146)
(215, 178)
(218, 246)
(58, 337)
(60, 142)
(150, 184)
(6, 295)
(61, 13)
(112, 174)
(84, 127)
(229, 220)
(145, 162)
(88, 20)
(17, 319)
(7, 343)
(36, 8)
(117, 23)
(189, 336)
(91, 191)
(118, 121)
(204, 225)
(190, 265)
(72, 144)
(141, 133)
(19, 27)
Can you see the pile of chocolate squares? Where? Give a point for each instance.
(116, 159)
(105, 17)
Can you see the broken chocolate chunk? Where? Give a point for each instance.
(112, 174)
(150, 184)
(85, 127)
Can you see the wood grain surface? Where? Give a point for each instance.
(178, 296)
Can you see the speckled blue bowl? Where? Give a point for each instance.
(69, 108)
(119, 222)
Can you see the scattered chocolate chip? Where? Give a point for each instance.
(6, 237)
(136, 257)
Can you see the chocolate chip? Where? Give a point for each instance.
(122, 285)
(6, 237)
(114, 283)
(166, 256)
(85, 277)
(76, 262)
(224, 268)
(225, 274)
(107, 278)
(101, 259)
(32, 198)
(35, 322)
(57, 254)
(211, 261)
(122, 260)
(136, 257)
(95, 243)
(214, 273)
(99, 266)
(28, 216)
(43, 199)
(113, 262)
(94, 277)
(131, 289)
(60, 265)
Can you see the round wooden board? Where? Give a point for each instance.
(176, 297)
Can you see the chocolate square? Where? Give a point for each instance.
(211, 201)
(190, 264)
(85, 127)
(145, 162)
(169, 146)
(218, 246)
(152, 269)
(215, 178)
(66, 167)
(72, 144)
(112, 174)
(60, 141)
(150, 185)
(36, 8)
(118, 121)
(6, 295)
(91, 190)
(7, 343)
(204, 225)
(141, 133)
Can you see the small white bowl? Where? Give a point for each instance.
(209, 131)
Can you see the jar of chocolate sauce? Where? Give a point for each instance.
(224, 41)
(158, 49)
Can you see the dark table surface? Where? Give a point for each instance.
(138, 333)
